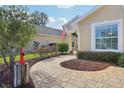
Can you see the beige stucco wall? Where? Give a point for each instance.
(106, 13)
(44, 40)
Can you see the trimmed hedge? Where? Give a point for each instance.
(121, 60)
(111, 57)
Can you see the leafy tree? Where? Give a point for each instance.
(15, 32)
(39, 18)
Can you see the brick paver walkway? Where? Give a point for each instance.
(49, 73)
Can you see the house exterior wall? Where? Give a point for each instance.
(45, 35)
(105, 13)
(44, 40)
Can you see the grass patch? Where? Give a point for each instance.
(30, 56)
(27, 56)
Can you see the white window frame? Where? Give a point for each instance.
(120, 35)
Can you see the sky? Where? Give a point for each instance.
(60, 14)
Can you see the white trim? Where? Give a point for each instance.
(92, 37)
(120, 37)
(71, 21)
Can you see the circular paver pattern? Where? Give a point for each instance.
(49, 74)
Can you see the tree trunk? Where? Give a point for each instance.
(12, 70)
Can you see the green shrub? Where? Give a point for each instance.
(47, 52)
(121, 60)
(111, 57)
(63, 47)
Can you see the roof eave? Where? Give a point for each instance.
(71, 21)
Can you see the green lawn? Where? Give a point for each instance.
(27, 56)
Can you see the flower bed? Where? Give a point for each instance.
(83, 65)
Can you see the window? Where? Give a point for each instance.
(107, 36)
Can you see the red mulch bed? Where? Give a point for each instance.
(6, 74)
(83, 65)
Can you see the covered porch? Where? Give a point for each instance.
(73, 35)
